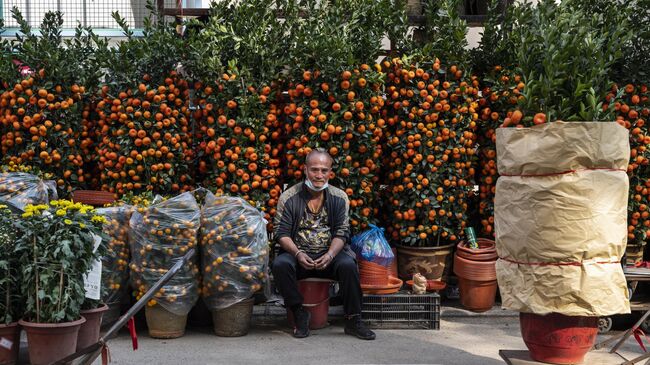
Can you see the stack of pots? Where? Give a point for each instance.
(476, 272)
(372, 274)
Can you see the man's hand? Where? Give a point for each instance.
(305, 261)
(323, 261)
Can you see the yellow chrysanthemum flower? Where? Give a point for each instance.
(67, 221)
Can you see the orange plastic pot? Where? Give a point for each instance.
(475, 270)
(486, 252)
(558, 339)
(477, 283)
(372, 274)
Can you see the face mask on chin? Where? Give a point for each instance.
(311, 186)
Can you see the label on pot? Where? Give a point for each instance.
(6, 343)
(93, 280)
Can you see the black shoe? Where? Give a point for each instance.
(355, 327)
(301, 318)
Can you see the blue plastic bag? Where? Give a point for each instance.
(371, 245)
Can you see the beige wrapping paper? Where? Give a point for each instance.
(561, 218)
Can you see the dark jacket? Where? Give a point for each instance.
(292, 205)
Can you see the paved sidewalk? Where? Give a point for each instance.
(464, 338)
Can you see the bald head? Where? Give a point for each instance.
(318, 154)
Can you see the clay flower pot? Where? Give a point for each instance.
(558, 339)
(10, 332)
(428, 261)
(89, 331)
(372, 274)
(487, 250)
(477, 280)
(50, 342)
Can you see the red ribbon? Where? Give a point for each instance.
(565, 172)
(555, 263)
(637, 335)
(134, 335)
(106, 355)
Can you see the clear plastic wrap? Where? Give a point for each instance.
(235, 251)
(371, 245)
(18, 189)
(161, 234)
(115, 263)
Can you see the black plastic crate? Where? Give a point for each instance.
(402, 310)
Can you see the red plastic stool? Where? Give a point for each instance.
(316, 299)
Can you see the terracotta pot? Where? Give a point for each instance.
(428, 261)
(487, 250)
(392, 269)
(477, 296)
(89, 331)
(477, 283)
(235, 320)
(93, 197)
(372, 274)
(163, 323)
(50, 342)
(10, 332)
(475, 270)
(556, 338)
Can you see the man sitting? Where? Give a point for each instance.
(313, 230)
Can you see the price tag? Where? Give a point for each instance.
(6, 343)
(93, 279)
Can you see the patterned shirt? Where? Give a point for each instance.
(314, 235)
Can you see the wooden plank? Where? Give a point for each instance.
(522, 357)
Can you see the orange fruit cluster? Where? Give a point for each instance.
(144, 139)
(234, 244)
(497, 107)
(431, 117)
(238, 142)
(115, 263)
(632, 110)
(162, 233)
(340, 113)
(46, 126)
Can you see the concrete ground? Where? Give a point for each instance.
(464, 338)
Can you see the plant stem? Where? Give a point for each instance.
(38, 310)
(58, 305)
(8, 301)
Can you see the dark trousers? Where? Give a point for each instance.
(287, 272)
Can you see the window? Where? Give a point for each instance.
(94, 13)
(475, 11)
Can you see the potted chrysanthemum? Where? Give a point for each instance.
(57, 247)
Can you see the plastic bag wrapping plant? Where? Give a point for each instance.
(161, 234)
(18, 189)
(115, 263)
(371, 245)
(235, 251)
